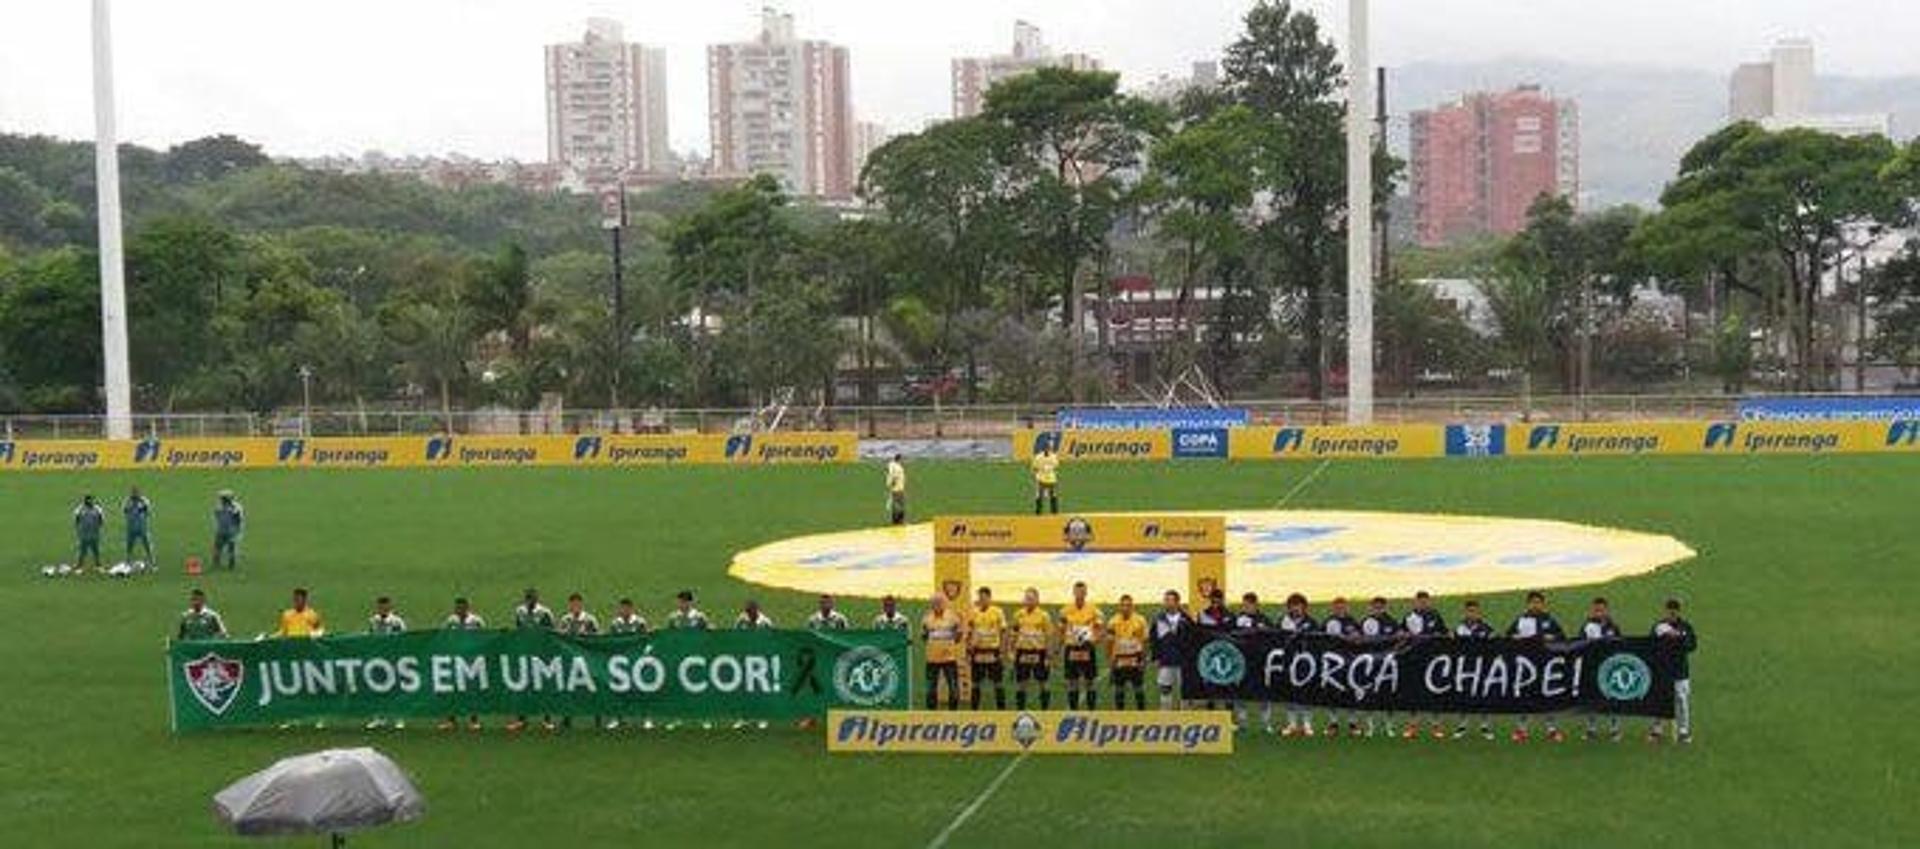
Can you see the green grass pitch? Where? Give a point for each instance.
(1806, 683)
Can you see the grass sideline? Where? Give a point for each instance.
(1804, 682)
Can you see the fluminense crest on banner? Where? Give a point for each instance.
(214, 681)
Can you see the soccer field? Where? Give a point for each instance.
(1804, 684)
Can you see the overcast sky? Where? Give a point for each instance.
(432, 76)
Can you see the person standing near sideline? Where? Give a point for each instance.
(462, 619)
(385, 622)
(1678, 633)
(1046, 482)
(229, 523)
(896, 491)
(138, 513)
(88, 521)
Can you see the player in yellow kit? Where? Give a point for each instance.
(1032, 633)
(1046, 479)
(1127, 635)
(1080, 625)
(940, 632)
(986, 646)
(300, 620)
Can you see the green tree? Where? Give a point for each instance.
(434, 341)
(50, 329)
(1790, 196)
(725, 255)
(947, 193)
(1080, 139)
(211, 158)
(1895, 291)
(177, 271)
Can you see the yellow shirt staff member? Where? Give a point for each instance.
(300, 620)
(1127, 631)
(986, 646)
(896, 491)
(1046, 478)
(940, 629)
(1080, 629)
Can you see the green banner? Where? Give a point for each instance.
(761, 674)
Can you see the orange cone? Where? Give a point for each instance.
(193, 565)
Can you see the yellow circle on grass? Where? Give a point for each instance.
(1322, 553)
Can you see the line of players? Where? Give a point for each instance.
(136, 512)
(984, 635)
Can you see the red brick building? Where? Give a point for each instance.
(1479, 163)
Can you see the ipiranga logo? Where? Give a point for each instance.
(1040, 732)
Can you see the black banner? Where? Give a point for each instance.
(1631, 675)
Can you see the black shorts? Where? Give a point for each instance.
(987, 670)
(1030, 666)
(1081, 664)
(1129, 675)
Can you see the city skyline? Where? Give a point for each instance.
(221, 65)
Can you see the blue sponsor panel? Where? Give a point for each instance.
(1489, 440)
(1830, 409)
(1151, 418)
(1208, 443)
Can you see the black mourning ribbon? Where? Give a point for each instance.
(808, 680)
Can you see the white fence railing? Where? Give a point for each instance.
(896, 422)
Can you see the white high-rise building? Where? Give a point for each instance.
(973, 76)
(781, 105)
(1780, 94)
(607, 105)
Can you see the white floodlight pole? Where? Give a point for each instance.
(113, 282)
(1359, 218)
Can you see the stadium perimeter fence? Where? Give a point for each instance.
(982, 421)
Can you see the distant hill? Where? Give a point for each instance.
(1635, 121)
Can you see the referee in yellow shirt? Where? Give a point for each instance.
(1046, 479)
(1128, 632)
(897, 490)
(300, 620)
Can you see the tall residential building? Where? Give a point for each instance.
(972, 76)
(607, 105)
(1479, 163)
(780, 105)
(1779, 94)
(868, 136)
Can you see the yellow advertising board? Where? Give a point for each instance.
(586, 450)
(1039, 732)
(1092, 532)
(1075, 445)
(1317, 442)
(1605, 438)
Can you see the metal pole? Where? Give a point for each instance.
(306, 401)
(113, 283)
(1359, 219)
